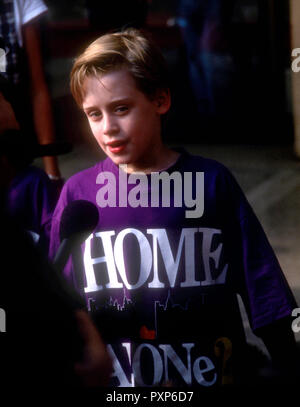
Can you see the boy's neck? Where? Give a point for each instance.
(164, 159)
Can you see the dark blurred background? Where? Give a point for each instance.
(229, 62)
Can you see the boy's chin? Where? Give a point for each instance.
(119, 160)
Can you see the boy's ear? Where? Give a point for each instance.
(163, 101)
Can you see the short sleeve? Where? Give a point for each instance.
(24, 12)
(32, 9)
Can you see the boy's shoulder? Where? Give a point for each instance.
(195, 162)
(90, 174)
(84, 183)
(218, 179)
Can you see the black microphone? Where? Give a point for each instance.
(78, 221)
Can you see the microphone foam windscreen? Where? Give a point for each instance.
(79, 216)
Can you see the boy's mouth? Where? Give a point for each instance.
(116, 147)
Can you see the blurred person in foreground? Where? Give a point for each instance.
(30, 195)
(50, 340)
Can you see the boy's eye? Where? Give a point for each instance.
(121, 109)
(94, 114)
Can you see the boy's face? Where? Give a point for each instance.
(125, 122)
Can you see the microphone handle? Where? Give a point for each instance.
(78, 266)
(62, 254)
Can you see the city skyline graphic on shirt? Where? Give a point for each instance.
(166, 317)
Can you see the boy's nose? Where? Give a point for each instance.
(109, 125)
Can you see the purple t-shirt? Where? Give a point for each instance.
(162, 286)
(31, 200)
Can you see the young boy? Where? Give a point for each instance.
(176, 239)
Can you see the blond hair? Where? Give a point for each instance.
(129, 49)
